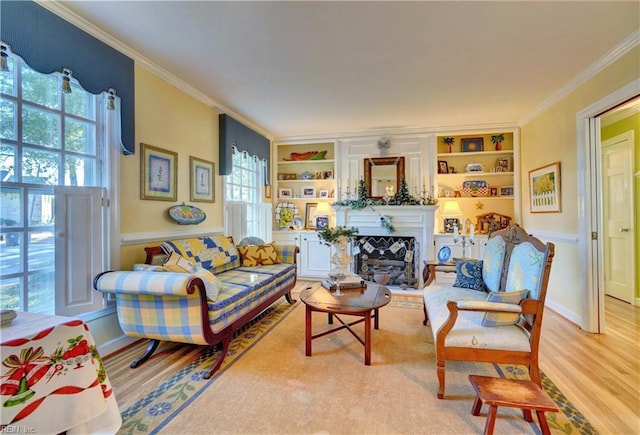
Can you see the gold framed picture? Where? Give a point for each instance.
(158, 173)
(201, 183)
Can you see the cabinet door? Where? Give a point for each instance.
(315, 258)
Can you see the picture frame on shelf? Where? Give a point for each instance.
(493, 191)
(310, 216)
(322, 222)
(285, 177)
(323, 194)
(544, 189)
(308, 192)
(505, 163)
(201, 175)
(472, 144)
(443, 167)
(506, 190)
(285, 193)
(449, 224)
(328, 175)
(158, 173)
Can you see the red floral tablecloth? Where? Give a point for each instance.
(52, 378)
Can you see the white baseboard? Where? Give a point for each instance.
(115, 345)
(569, 315)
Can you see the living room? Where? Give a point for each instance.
(173, 114)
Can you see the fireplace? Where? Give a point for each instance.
(387, 260)
(410, 222)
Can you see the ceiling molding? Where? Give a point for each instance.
(609, 58)
(55, 7)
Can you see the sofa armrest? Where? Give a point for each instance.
(147, 283)
(488, 307)
(287, 253)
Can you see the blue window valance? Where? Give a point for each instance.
(48, 43)
(233, 133)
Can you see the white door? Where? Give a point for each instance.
(617, 200)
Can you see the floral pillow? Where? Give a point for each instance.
(257, 255)
(469, 274)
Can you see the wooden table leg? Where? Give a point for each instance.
(367, 338)
(376, 322)
(544, 426)
(477, 406)
(491, 420)
(307, 331)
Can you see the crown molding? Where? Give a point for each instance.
(55, 7)
(609, 58)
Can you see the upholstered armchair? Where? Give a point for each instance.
(493, 313)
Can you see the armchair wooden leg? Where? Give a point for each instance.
(440, 379)
(151, 347)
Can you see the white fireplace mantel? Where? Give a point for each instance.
(408, 221)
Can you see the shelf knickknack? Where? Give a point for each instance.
(401, 198)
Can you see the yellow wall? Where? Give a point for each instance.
(624, 125)
(550, 137)
(166, 118)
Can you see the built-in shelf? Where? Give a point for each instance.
(476, 153)
(308, 162)
(483, 174)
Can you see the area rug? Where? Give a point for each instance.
(268, 385)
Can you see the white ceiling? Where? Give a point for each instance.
(321, 68)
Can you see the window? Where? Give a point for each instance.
(47, 139)
(243, 189)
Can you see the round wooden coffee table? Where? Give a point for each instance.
(363, 303)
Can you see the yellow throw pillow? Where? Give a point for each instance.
(257, 255)
(177, 263)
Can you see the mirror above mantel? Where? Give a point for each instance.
(382, 175)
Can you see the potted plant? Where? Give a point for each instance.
(448, 142)
(338, 237)
(497, 141)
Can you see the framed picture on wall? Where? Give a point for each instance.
(158, 173)
(201, 180)
(544, 189)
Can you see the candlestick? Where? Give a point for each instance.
(472, 231)
(455, 232)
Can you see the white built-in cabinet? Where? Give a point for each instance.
(314, 258)
(475, 250)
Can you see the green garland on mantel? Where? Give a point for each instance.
(402, 197)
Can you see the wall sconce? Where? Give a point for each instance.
(66, 80)
(4, 65)
(111, 99)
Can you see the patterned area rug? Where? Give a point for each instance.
(158, 407)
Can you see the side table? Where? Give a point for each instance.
(430, 269)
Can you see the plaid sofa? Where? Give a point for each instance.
(171, 306)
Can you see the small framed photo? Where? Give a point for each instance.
(158, 173)
(506, 191)
(544, 189)
(472, 144)
(443, 167)
(310, 216)
(308, 192)
(493, 191)
(323, 194)
(285, 192)
(328, 175)
(450, 224)
(201, 173)
(322, 222)
(505, 164)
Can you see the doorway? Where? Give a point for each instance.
(590, 212)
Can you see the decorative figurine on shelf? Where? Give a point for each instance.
(448, 143)
(497, 141)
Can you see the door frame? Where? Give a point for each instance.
(591, 276)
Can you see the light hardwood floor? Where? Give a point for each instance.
(598, 373)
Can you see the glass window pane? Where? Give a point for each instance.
(7, 79)
(40, 88)
(41, 211)
(79, 171)
(80, 103)
(40, 167)
(40, 127)
(10, 207)
(7, 163)
(40, 290)
(79, 136)
(41, 251)
(7, 119)
(10, 291)
(10, 252)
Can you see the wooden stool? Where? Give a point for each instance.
(513, 393)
